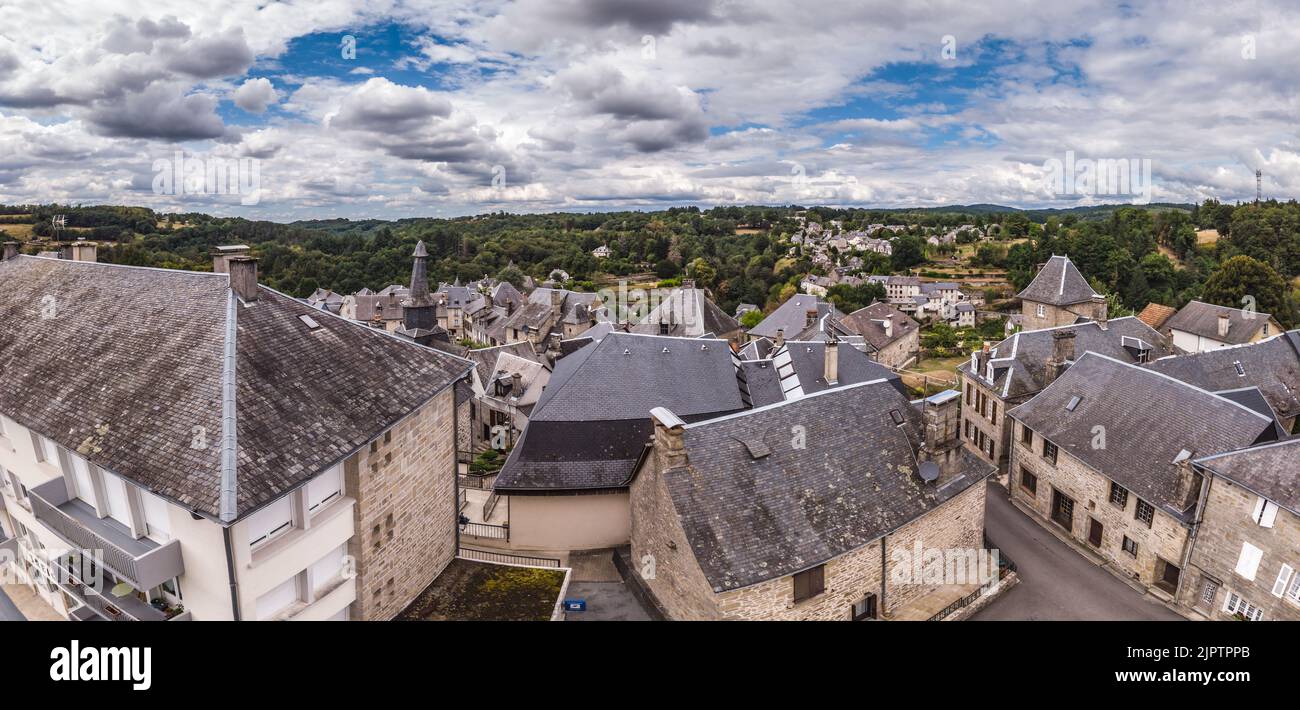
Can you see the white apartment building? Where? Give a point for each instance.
(178, 446)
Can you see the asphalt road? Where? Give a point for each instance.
(1056, 582)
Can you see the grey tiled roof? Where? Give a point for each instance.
(132, 363)
(867, 323)
(1059, 283)
(1202, 319)
(688, 313)
(593, 419)
(792, 316)
(1272, 365)
(1270, 470)
(1020, 362)
(1148, 418)
(751, 519)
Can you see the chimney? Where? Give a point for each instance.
(1224, 323)
(1100, 312)
(889, 327)
(1062, 353)
(780, 338)
(557, 301)
(982, 359)
(688, 283)
(810, 317)
(84, 251)
(942, 443)
(516, 385)
(553, 348)
(243, 277)
(831, 369)
(221, 255)
(11, 251)
(1188, 487)
(669, 451)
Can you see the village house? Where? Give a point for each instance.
(1198, 327)
(1059, 295)
(602, 252)
(1267, 370)
(1103, 457)
(1244, 561)
(997, 378)
(220, 451)
(798, 315)
(688, 312)
(892, 338)
(774, 514)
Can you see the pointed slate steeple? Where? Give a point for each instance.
(420, 310)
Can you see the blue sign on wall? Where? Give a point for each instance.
(575, 604)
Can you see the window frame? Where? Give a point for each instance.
(1032, 487)
(1120, 492)
(813, 580)
(1149, 510)
(1127, 542)
(1054, 451)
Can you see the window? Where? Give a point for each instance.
(663, 329)
(1265, 513)
(271, 603)
(1118, 495)
(83, 485)
(328, 568)
(275, 519)
(995, 411)
(1248, 560)
(1042, 310)
(47, 451)
(1209, 592)
(1238, 605)
(325, 488)
(1293, 593)
(809, 583)
(1026, 436)
(115, 499)
(157, 524)
(1028, 481)
(1049, 451)
(968, 389)
(1283, 578)
(1144, 512)
(967, 424)
(1129, 546)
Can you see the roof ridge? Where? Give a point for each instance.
(1157, 373)
(782, 403)
(228, 506)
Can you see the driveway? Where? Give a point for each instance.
(1056, 582)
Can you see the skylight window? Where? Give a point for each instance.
(1074, 403)
(896, 416)
(309, 322)
(1182, 456)
(1241, 371)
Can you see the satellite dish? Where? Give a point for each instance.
(929, 471)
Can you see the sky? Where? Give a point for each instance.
(389, 109)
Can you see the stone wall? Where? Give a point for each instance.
(1165, 539)
(405, 517)
(1054, 316)
(1227, 523)
(996, 428)
(897, 353)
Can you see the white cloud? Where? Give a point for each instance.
(255, 95)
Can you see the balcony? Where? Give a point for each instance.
(142, 563)
(101, 605)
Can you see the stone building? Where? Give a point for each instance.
(688, 312)
(1245, 551)
(1059, 295)
(891, 337)
(1199, 327)
(1000, 377)
(1103, 456)
(775, 514)
(220, 450)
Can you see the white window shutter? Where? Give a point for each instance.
(1259, 509)
(1248, 561)
(1283, 576)
(1270, 514)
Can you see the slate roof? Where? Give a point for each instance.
(1155, 314)
(867, 323)
(1020, 362)
(1059, 283)
(792, 316)
(1271, 470)
(1149, 419)
(689, 313)
(752, 519)
(133, 362)
(592, 422)
(1272, 365)
(1202, 319)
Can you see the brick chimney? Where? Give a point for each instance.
(1062, 353)
(84, 251)
(669, 452)
(11, 251)
(831, 368)
(243, 277)
(1224, 323)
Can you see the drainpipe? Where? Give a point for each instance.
(1191, 537)
(230, 570)
(884, 576)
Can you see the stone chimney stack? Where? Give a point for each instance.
(85, 251)
(1062, 353)
(670, 452)
(780, 338)
(516, 385)
(1100, 312)
(221, 255)
(243, 277)
(557, 301)
(1188, 488)
(11, 251)
(942, 443)
(1224, 323)
(831, 368)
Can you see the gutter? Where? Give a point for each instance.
(230, 572)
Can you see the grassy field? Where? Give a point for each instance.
(1207, 236)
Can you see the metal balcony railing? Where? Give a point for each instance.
(142, 562)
